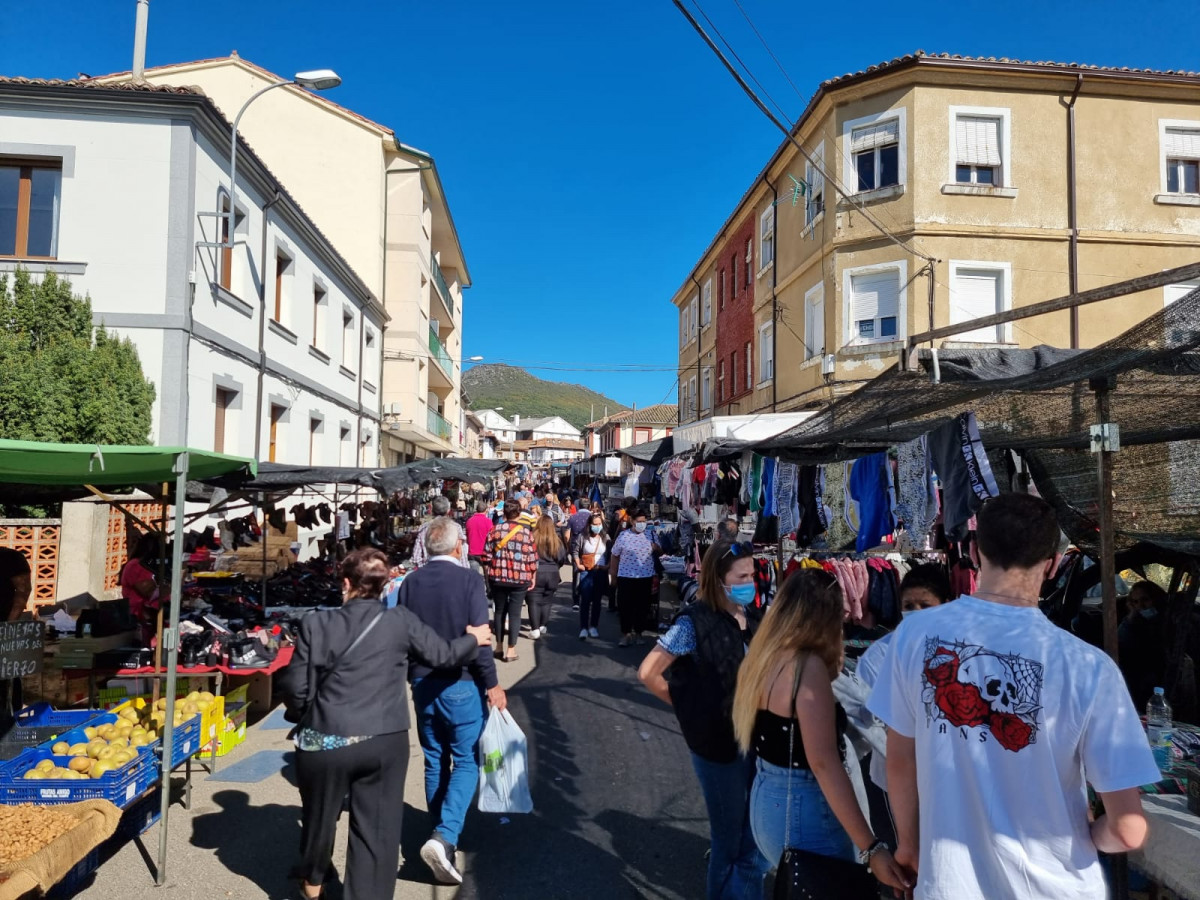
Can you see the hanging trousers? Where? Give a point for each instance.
(372, 772)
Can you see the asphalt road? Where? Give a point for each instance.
(617, 809)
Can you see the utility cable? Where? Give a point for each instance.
(741, 62)
(770, 52)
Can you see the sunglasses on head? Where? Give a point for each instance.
(739, 550)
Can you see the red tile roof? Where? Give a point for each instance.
(660, 414)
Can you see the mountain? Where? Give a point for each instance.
(530, 397)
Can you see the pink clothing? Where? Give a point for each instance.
(134, 573)
(479, 526)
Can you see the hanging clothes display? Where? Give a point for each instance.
(756, 482)
(916, 500)
(869, 486)
(838, 533)
(787, 503)
(813, 518)
(966, 475)
(768, 482)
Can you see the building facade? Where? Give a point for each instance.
(548, 428)
(271, 349)
(998, 184)
(383, 206)
(630, 427)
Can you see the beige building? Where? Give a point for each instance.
(1001, 183)
(381, 204)
(630, 427)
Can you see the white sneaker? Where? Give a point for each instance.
(439, 856)
(592, 632)
(583, 633)
(535, 633)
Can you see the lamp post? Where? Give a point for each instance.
(314, 80)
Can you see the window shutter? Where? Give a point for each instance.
(976, 293)
(765, 224)
(978, 140)
(875, 296)
(1183, 142)
(878, 135)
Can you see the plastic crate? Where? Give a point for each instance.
(43, 714)
(205, 723)
(134, 822)
(23, 738)
(231, 732)
(120, 787)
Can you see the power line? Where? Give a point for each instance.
(741, 62)
(787, 131)
(767, 47)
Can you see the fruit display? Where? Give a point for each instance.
(25, 829)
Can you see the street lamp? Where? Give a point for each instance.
(314, 80)
(474, 359)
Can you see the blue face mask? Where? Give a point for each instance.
(596, 529)
(741, 594)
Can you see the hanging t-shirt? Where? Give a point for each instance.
(962, 466)
(1012, 716)
(869, 487)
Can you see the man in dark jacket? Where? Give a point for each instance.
(449, 702)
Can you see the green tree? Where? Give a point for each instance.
(63, 379)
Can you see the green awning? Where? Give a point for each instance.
(31, 462)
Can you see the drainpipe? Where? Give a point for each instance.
(699, 349)
(1072, 211)
(262, 317)
(774, 298)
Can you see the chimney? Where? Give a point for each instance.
(517, 422)
(139, 40)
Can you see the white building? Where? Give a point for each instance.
(504, 431)
(270, 350)
(549, 428)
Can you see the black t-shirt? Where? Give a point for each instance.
(12, 564)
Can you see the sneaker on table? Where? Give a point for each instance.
(438, 854)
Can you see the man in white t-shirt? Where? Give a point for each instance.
(997, 720)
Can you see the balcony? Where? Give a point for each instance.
(443, 289)
(437, 424)
(439, 354)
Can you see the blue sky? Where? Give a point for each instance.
(589, 149)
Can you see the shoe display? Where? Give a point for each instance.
(439, 856)
(592, 632)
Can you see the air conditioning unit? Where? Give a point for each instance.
(828, 362)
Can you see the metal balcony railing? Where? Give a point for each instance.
(437, 423)
(440, 281)
(438, 351)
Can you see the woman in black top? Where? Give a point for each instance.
(552, 556)
(784, 712)
(353, 734)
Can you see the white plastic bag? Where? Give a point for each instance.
(503, 766)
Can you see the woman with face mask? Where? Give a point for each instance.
(589, 552)
(694, 668)
(633, 554)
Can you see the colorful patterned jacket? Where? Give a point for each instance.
(516, 561)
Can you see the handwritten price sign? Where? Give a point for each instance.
(21, 648)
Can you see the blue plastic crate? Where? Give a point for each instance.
(186, 741)
(134, 822)
(40, 724)
(121, 787)
(43, 714)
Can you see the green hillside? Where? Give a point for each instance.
(520, 393)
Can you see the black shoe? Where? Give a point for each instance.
(438, 854)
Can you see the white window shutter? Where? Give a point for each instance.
(878, 135)
(978, 140)
(875, 295)
(1182, 143)
(976, 293)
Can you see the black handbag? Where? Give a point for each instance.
(804, 875)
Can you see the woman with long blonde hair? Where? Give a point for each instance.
(552, 556)
(784, 713)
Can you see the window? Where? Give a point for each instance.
(348, 347)
(314, 437)
(30, 193)
(706, 389)
(977, 147)
(720, 292)
(282, 267)
(766, 237)
(1173, 292)
(749, 261)
(1181, 146)
(766, 352)
(876, 303)
(721, 382)
(274, 447)
(695, 316)
(814, 322)
(749, 367)
(733, 374)
(344, 448)
(814, 203)
(319, 307)
(976, 290)
(875, 150)
(692, 392)
(733, 282)
(224, 400)
(683, 326)
(225, 276)
(641, 435)
(706, 302)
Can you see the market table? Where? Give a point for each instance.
(261, 680)
(1171, 855)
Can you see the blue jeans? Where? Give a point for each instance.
(736, 870)
(450, 717)
(810, 824)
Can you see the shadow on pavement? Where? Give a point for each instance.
(267, 839)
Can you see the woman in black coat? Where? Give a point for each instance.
(352, 737)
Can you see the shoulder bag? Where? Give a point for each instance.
(300, 718)
(804, 875)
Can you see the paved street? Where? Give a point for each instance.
(617, 810)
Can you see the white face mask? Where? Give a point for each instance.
(639, 527)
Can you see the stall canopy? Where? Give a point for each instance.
(72, 465)
(277, 477)
(456, 469)
(651, 452)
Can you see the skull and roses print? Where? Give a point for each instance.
(968, 686)
(1011, 717)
